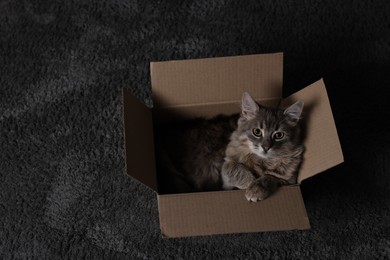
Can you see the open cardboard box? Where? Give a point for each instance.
(207, 87)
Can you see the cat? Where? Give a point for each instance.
(257, 151)
(265, 151)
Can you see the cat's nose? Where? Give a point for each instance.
(265, 148)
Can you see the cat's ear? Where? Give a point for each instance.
(294, 112)
(249, 106)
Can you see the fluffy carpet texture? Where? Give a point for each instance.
(63, 192)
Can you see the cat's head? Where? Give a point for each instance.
(270, 132)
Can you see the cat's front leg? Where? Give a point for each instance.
(262, 187)
(236, 175)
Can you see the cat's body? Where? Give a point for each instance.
(258, 151)
(191, 154)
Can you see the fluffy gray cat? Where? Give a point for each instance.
(258, 150)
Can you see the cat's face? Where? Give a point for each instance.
(269, 132)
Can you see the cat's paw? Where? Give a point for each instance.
(256, 192)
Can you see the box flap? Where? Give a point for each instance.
(209, 213)
(322, 145)
(139, 142)
(213, 80)
(203, 110)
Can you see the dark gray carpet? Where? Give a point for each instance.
(63, 192)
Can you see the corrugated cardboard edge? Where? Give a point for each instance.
(223, 212)
(323, 149)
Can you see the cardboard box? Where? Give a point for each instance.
(206, 87)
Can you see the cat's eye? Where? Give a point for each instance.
(256, 132)
(278, 135)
